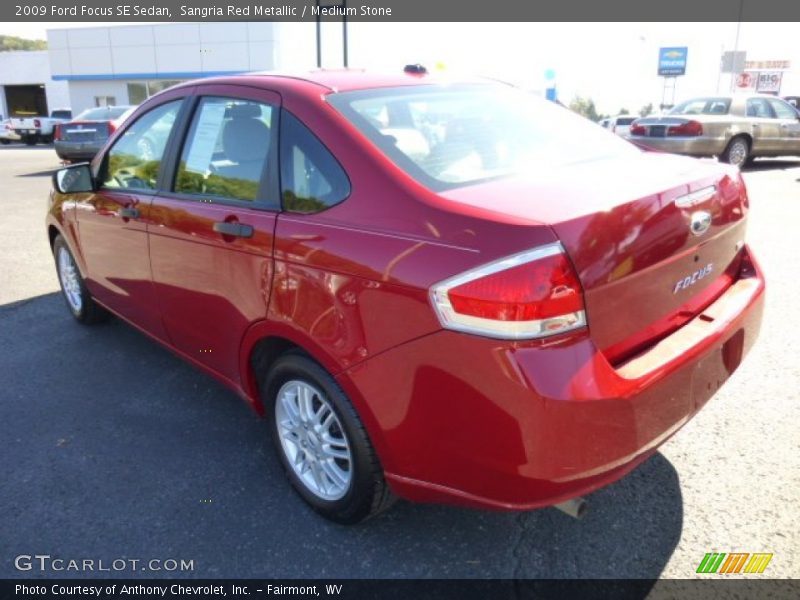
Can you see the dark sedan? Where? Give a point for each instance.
(81, 138)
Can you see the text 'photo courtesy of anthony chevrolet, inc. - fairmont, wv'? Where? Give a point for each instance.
(399, 299)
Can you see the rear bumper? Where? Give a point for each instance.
(692, 146)
(77, 150)
(467, 420)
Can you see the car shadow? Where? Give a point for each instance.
(45, 173)
(768, 164)
(117, 448)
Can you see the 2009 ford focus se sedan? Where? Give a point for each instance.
(444, 291)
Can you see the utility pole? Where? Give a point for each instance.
(343, 6)
(734, 72)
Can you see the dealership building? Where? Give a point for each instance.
(125, 64)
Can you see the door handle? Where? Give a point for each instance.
(128, 213)
(234, 229)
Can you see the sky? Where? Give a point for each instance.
(613, 63)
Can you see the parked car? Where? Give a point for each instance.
(34, 129)
(7, 134)
(81, 138)
(621, 124)
(735, 128)
(445, 291)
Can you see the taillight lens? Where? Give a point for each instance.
(637, 129)
(528, 295)
(37, 123)
(690, 128)
(112, 127)
(57, 133)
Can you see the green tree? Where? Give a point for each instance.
(646, 109)
(10, 43)
(585, 106)
(623, 111)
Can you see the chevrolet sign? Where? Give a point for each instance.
(672, 61)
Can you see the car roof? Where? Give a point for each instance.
(343, 80)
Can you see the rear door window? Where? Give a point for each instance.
(226, 150)
(759, 108)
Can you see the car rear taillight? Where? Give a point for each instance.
(690, 128)
(528, 295)
(57, 133)
(637, 129)
(112, 127)
(37, 123)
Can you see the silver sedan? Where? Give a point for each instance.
(735, 128)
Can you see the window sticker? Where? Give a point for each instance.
(204, 139)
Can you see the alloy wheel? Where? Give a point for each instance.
(313, 440)
(738, 153)
(70, 283)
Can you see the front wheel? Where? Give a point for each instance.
(737, 152)
(80, 303)
(321, 442)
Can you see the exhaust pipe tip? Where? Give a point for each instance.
(574, 507)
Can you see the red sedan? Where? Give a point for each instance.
(446, 291)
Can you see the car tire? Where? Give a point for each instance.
(73, 289)
(5, 142)
(344, 483)
(737, 152)
(29, 140)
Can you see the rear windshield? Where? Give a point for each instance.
(625, 120)
(449, 136)
(62, 114)
(104, 113)
(703, 106)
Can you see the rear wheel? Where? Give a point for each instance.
(737, 152)
(321, 442)
(30, 140)
(5, 142)
(80, 303)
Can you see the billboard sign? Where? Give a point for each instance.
(672, 61)
(769, 82)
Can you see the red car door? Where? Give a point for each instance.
(211, 230)
(112, 222)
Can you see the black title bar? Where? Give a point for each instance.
(102, 11)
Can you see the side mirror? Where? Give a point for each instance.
(73, 179)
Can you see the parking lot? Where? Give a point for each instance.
(114, 448)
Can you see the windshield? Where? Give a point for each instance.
(703, 106)
(104, 113)
(448, 136)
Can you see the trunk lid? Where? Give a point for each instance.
(643, 270)
(84, 131)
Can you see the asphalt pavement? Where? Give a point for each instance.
(115, 449)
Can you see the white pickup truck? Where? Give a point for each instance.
(34, 129)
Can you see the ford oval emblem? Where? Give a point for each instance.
(699, 222)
